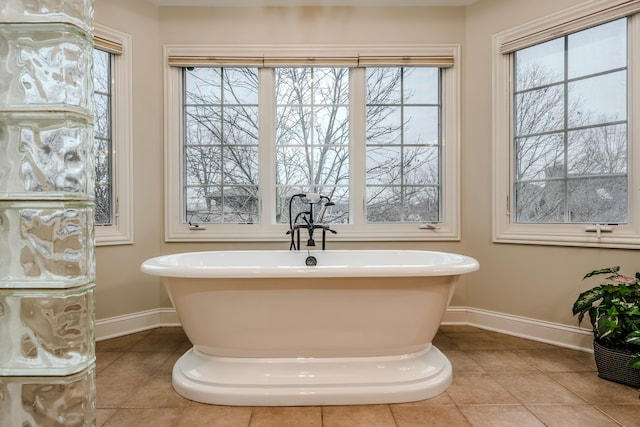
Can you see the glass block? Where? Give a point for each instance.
(77, 12)
(46, 332)
(48, 154)
(46, 66)
(49, 401)
(46, 244)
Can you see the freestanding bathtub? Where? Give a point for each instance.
(267, 329)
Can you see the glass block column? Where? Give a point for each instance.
(47, 266)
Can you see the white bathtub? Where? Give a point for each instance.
(268, 330)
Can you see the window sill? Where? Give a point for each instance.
(212, 233)
(621, 239)
(110, 236)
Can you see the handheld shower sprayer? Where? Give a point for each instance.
(313, 198)
(328, 204)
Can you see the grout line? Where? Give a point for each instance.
(393, 417)
(607, 415)
(109, 417)
(253, 410)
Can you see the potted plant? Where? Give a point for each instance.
(614, 311)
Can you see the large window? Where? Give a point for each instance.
(112, 137)
(312, 137)
(221, 145)
(570, 157)
(243, 139)
(102, 138)
(570, 128)
(403, 144)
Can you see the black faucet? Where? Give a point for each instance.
(305, 220)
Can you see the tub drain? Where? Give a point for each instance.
(311, 261)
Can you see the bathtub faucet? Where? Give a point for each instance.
(305, 220)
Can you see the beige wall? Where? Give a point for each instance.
(531, 281)
(312, 25)
(120, 286)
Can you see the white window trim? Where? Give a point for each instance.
(121, 232)
(448, 229)
(588, 235)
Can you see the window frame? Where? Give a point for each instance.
(121, 231)
(574, 19)
(178, 231)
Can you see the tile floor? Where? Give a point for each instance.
(498, 380)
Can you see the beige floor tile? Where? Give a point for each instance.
(593, 389)
(167, 367)
(167, 343)
(553, 360)
(516, 343)
(493, 375)
(105, 358)
(476, 341)
(137, 363)
(103, 415)
(215, 416)
(121, 343)
(357, 416)
(145, 417)
(461, 361)
(287, 416)
(168, 330)
(584, 358)
(113, 390)
(186, 345)
(441, 399)
(571, 416)
(444, 342)
(459, 328)
(535, 388)
(418, 416)
(627, 415)
(500, 415)
(156, 392)
(500, 361)
(478, 389)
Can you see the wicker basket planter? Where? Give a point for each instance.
(612, 365)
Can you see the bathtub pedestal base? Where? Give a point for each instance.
(312, 381)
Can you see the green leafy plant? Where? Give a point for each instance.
(614, 311)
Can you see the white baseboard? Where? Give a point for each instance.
(537, 330)
(114, 327)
